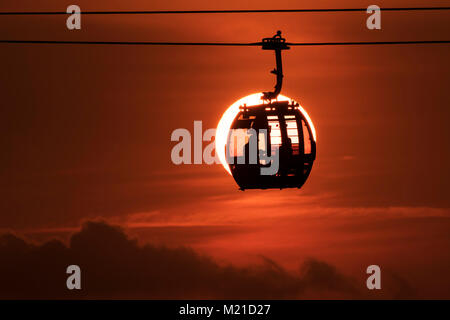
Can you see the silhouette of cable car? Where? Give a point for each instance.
(271, 145)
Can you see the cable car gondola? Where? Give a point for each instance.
(271, 145)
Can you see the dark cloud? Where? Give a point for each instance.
(116, 266)
(320, 276)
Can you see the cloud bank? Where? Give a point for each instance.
(115, 266)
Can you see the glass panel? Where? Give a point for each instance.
(262, 147)
(307, 138)
(275, 132)
(292, 133)
(236, 142)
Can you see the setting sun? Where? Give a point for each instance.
(227, 119)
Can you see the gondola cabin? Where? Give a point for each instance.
(270, 146)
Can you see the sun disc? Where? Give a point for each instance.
(227, 119)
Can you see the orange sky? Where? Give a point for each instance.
(86, 134)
